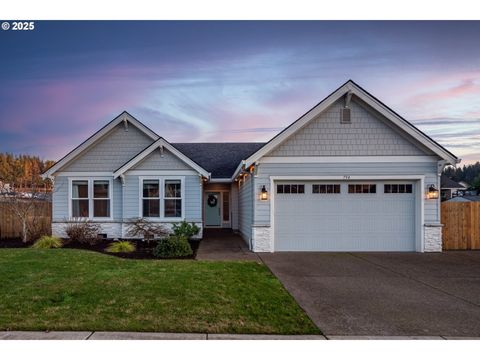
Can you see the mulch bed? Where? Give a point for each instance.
(144, 249)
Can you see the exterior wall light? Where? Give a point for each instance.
(264, 193)
(432, 192)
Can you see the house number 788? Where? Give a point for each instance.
(346, 177)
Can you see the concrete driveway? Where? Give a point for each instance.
(385, 294)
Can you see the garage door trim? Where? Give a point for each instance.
(419, 200)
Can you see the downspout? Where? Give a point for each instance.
(122, 179)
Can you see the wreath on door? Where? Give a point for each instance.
(212, 200)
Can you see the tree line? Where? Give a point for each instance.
(468, 173)
(22, 172)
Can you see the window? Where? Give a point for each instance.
(173, 198)
(362, 188)
(326, 189)
(90, 198)
(101, 198)
(80, 203)
(226, 206)
(291, 189)
(397, 188)
(151, 198)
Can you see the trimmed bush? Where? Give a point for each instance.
(173, 247)
(121, 247)
(185, 229)
(83, 231)
(48, 242)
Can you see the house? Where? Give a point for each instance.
(450, 188)
(348, 175)
(465, 198)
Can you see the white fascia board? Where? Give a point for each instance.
(375, 104)
(97, 136)
(160, 142)
(237, 170)
(297, 125)
(411, 130)
(220, 180)
(344, 159)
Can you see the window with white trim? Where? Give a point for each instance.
(101, 198)
(80, 201)
(173, 199)
(151, 198)
(90, 198)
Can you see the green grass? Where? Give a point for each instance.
(68, 289)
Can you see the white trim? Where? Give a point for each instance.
(90, 180)
(84, 173)
(157, 144)
(97, 136)
(160, 172)
(344, 159)
(220, 180)
(350, 86)
(161, 183)
(419, 193)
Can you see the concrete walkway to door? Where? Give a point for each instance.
(224, 244)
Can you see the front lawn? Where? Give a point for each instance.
(68, 289)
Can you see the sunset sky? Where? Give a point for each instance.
(231, 81)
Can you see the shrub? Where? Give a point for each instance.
(145, 229)
(48, 242)
(83, 231)
(173, 247)
(121, 247)
(185, 229)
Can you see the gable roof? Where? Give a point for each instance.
(447, 183)
(220, 159)
(124, 116)
(161, 142)
(351, 87)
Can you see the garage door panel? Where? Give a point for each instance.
(345, 221)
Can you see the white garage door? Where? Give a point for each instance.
(344, 216)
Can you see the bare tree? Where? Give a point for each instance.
(141, 227)
(24, 205)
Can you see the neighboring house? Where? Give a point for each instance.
(348, 175)
(465, 198)
(450, 188)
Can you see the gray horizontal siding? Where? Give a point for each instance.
(60, 199)
(193, 198)
(245, 208)
(366, 135)
(111, 151)
(428, 169)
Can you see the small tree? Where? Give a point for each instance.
(23, 204)
(141, 227)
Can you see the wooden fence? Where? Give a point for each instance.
(11, 226)
(461, 225)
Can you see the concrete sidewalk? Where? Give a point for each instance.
(106, 335)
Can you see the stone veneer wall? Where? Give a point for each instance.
(262, 238)
(432, 238)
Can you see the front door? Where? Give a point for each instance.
(212, 209)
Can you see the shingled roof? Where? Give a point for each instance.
(220, 159)
(447, 183)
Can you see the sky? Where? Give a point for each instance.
(215, 81)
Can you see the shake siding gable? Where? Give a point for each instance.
(111, 151)
(155, 161)
(366, 135)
